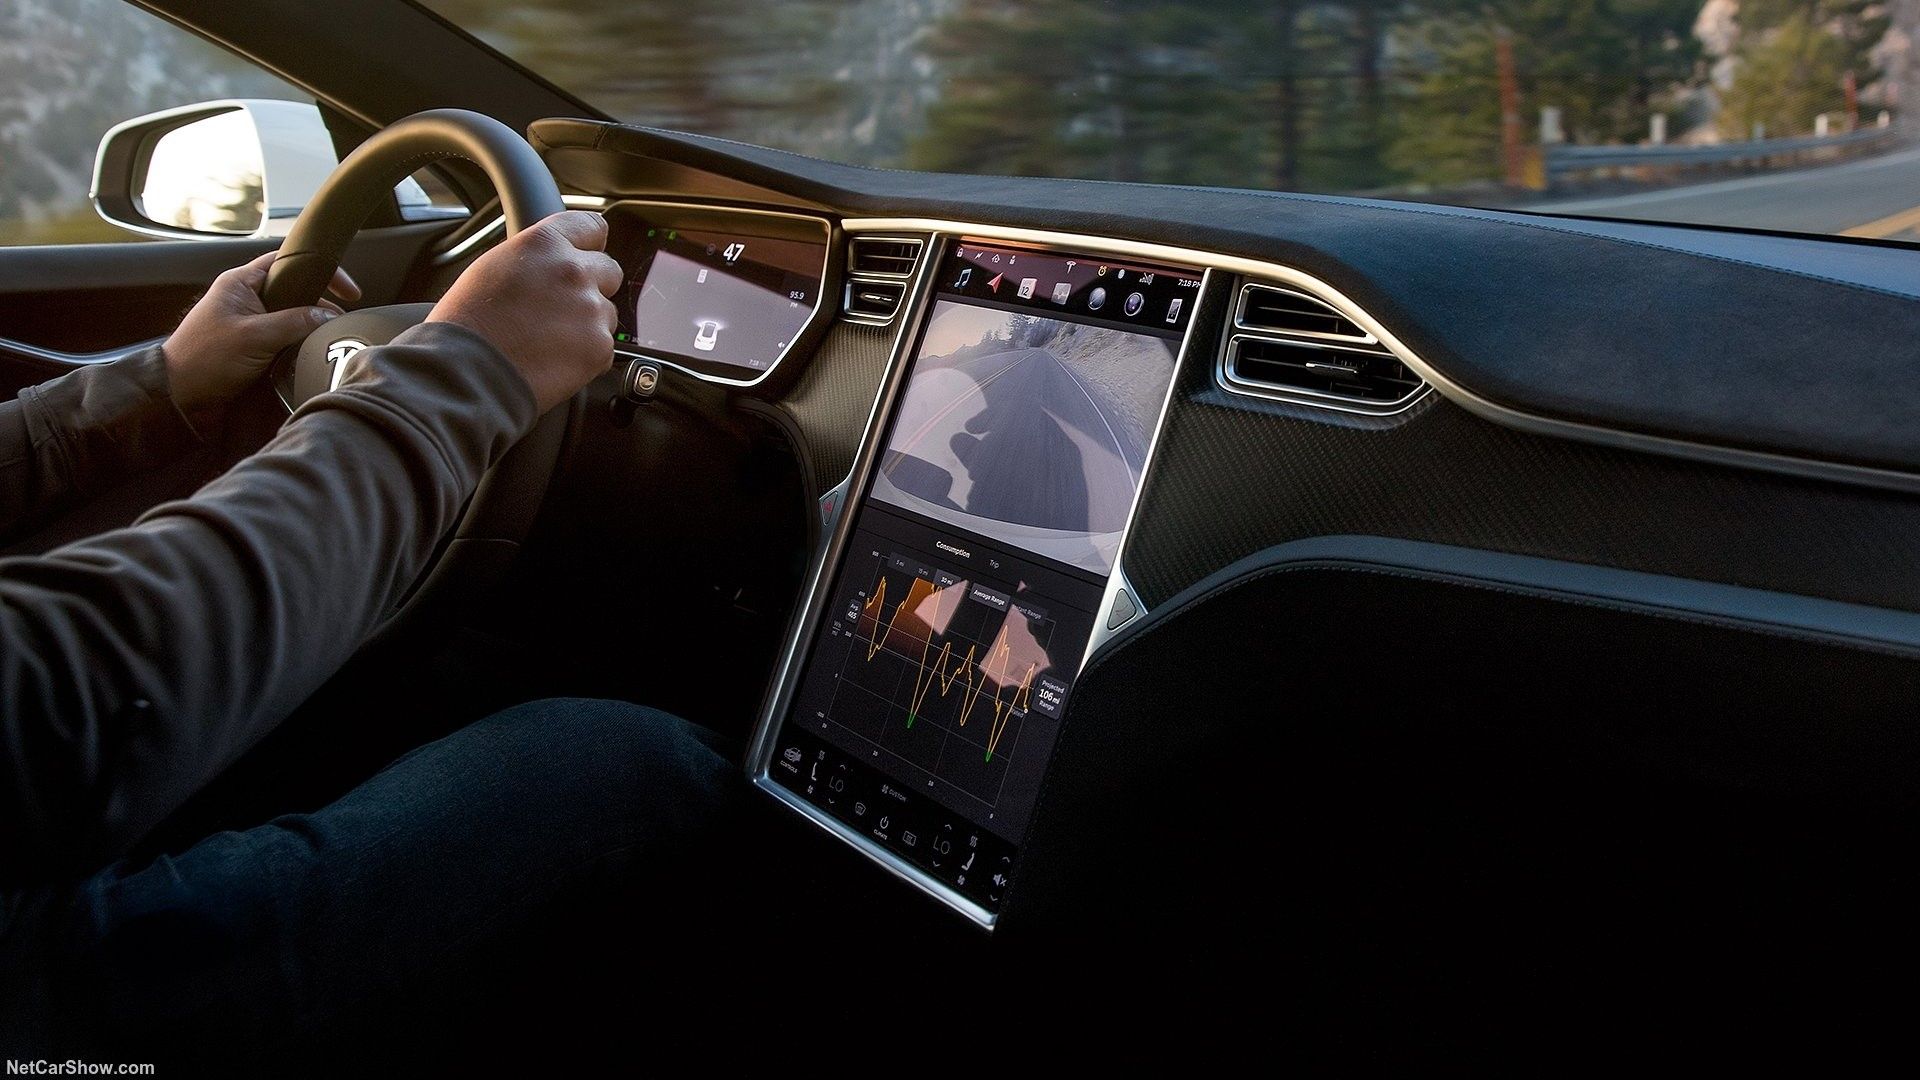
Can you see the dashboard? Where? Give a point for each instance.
(972, 557)
(1032, 428)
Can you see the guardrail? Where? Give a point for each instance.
(1564, 159)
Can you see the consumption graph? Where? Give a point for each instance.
(942, 671)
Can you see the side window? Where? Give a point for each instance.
(69, 71)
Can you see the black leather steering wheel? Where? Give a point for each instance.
(503, 508)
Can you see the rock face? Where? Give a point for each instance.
(71, 69)
(1719, 32)
(1896, 56)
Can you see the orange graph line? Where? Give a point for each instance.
(975, 676)
(925, 679)
(920, 590)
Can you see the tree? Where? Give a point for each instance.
(1606, 64)
(1084, 88)
(1211, 92)
(1792, 60)
(719, 67)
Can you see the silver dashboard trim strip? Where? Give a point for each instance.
(913, 313)
(492, 230)
(1117, 580)
(496, 227)
(819, 294)
(1500, 414)
(56, 356)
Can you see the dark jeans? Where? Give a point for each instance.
(409, 892)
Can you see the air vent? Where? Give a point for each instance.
(877, 271)
(1269, 308)
(1293, 346)
(1354, 375)
(878, 301)
(882, 256)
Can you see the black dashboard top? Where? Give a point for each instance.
(1676, 333)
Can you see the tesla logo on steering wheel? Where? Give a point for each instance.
(337, 355)
(345, 347)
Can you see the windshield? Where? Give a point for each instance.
(1770, 114)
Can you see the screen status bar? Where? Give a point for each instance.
(1152, 299)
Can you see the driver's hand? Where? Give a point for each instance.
(230, 337)
(541, 299)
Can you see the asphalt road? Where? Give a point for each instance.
(1877, 196)
(1023, 440)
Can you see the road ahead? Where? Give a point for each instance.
(1878, 196)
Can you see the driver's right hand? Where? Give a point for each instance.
(541, 298)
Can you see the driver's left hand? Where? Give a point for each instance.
(229, 337)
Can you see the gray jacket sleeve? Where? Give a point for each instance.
(70, 439)
(136, 665)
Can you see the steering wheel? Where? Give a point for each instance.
(503, 507)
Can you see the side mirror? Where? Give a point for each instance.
(217, 169)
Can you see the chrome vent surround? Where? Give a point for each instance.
(883, 256)
(872, 301)
(878, 268)
(1289, 311)
(1290, 345)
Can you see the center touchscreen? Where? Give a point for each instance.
(927, 711)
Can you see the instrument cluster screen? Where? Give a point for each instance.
(722, 294)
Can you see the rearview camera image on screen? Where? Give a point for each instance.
(1028, 430)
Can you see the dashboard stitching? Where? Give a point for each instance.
(1470, 213)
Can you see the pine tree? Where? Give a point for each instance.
(1605, 64)
(1794, 58)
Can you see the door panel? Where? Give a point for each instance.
(86, 303)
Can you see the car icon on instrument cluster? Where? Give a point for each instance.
(708, 336)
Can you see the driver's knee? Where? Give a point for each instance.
(607, 760)
(519, 831)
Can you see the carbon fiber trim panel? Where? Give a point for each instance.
(835, 394)
(1237, 475)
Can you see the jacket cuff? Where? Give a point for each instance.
(450, 385)
(101, 424)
